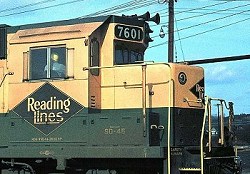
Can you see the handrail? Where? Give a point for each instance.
(207, 113)
(124, 65)
(202, 134)
(222, 138)
(169, 127)
(144, 100)
(8, 74)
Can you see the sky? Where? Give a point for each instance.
(204, 29)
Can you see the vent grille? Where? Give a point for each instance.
(93, 102)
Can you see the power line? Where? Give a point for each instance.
(193, 9)
(128, 6)
(110, 9)
(27, 5)
(217, 28)
(204, 32)
(215, 12)
(158, 11)
(203, 23)
(224, 13)
(213, 20)
(137, 6)
(199, 8)
(216, 60)
(115, 9)
(42, 8)
(219, 12)
(208, 9)
(204, 7)
(183, 57)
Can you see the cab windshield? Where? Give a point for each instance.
(128, 53)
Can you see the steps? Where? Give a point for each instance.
(189, 170)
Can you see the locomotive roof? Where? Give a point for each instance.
(101, 19)
(13, 29)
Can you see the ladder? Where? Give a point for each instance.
(223, 129)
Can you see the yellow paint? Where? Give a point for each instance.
(22, 41)
(120, 86)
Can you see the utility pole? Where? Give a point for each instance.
(171, 31)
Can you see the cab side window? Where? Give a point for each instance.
(3, 42)
(94, 56)
(47, 63)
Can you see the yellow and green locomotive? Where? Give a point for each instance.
(76, 96)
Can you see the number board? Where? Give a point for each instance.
(128, 33)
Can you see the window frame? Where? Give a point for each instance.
(48, 75)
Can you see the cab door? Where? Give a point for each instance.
(94, 93)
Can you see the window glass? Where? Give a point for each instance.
(118, 56)
(94, 53)
(127, 53)
(47, 63)
(94, 56)
(37, 63)
(125, 56)
(3, 43)
(133, 57)
(57, 62)
(140, 57)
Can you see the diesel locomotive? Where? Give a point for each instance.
(77, 96)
